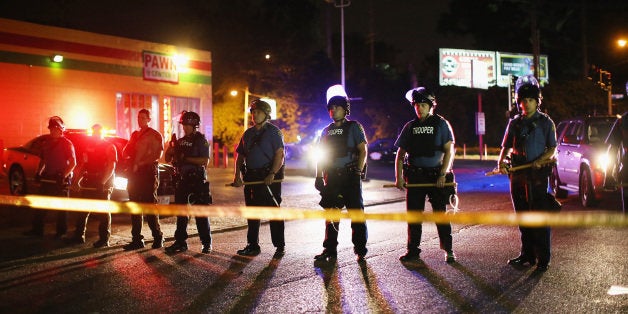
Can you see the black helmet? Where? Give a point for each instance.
(527, 87)
(339, 101)
(190, 118)
(261, 105)
(529, 91)
(337, 96)
(421, 95)
(56, 122)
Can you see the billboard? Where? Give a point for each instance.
(467, 68)
(519, 64)
(483, 69)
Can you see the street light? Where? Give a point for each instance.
(342, 4)
(270, 101)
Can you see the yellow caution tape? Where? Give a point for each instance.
(509, 218)
(253, 182)
(419, 185)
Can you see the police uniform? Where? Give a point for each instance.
(343, 182)
(423, 142)
(529, 138)
(192, 187)
(258, 148)
(55, 154)
(143, 183)
(97, 154)
(624, 169)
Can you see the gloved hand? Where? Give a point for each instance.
(319, 184)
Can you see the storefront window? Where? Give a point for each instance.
(128, 105)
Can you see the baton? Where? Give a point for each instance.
(253, 182)
(272, 195)
(420, 185)
(517, 168)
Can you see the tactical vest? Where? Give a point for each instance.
(185, 147)
(422, 137)
(521, 129)
(336, 140)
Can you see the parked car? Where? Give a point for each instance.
(584, 158)
(19, 164)
(383, 150)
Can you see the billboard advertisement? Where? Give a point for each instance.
(519, 64)
(483, 69)
(467, 68)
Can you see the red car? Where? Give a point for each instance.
(20, 163)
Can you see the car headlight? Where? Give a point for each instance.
(119, 183)
(602, 161)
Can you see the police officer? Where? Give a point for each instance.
(190, 156)
(54, 173)
(141, 156)
(623, 175)
(260, 157)
(530, 138)
(94, 177)
(338, 177)
(425, 155)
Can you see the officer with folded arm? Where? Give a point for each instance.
(54, 172)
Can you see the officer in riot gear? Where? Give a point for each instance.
(94, 175)
(623, 173)
(425, 154)
(190, 156)
(141, 163)
(339, 174)
(54, 173)
(260, 157)
(530, 138)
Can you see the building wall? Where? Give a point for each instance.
(82, 89)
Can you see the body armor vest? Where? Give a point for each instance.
(336, 140)
(422, 137)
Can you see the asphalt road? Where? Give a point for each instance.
(587, 263)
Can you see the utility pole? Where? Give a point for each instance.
(342, 4)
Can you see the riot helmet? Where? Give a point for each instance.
(421, 95)
(527, 87)
(190, 118)
(261, 105)
(336, 96)
(56, 122)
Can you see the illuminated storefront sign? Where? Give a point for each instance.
(159, 67)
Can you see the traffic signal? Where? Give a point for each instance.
(594, 73)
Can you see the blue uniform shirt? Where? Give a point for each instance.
(530, 137)
(442, 134)
(259, 146)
